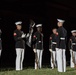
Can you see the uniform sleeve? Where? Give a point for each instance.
(34, 37)
(16, 37)
(60, 33)
(34, 40)
(58, 38)
(50, 42)
(65, 35)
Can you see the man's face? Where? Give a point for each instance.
(54, 31)
(19, 27)
(39, 29)
(60, 24)
(74, 34)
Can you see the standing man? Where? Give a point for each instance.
(20, 45)
(61, 46)
(0, 43)
(52, 47)
(38, 46)
(72, 48)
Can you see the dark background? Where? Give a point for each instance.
(45, 12)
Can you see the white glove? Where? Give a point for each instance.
(23, 36)
(33, 25)
(71, 50)
(27, 35)
(50, 50)
(34, 50)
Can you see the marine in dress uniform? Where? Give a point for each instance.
(20, 45)
(72, 48)
(0, 43)
(61, 46)
(38, 46)
(52, 47)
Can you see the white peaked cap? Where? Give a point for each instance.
(60, 20)
(73, 31)
(39, 25)
(19, 22)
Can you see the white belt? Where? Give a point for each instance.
(54, 43)
(73, 43)
(62, 38)
(39, 41)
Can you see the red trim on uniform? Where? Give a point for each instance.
(15, 34)
(34, 36)
(50, 38)
(57, 34)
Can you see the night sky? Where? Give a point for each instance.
(45, 12)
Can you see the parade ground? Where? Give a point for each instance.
(43, 71)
